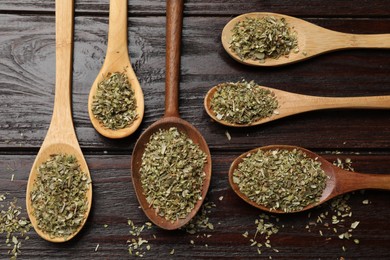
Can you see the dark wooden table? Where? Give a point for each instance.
(27, 58)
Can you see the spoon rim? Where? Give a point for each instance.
(326, 166)
(292, 57)
(139, 148)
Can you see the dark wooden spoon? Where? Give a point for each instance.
(170, 119)
(340, 181)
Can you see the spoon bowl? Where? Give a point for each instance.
(312, 40)
(117, 60)
(170, 119)
(48, 148)
(291, 103)
(139, 149)
(339, 181)
(61, 137)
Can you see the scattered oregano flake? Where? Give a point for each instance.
(338, 220)
(172, 173)
(265, 227)
(243, 102)
(114, 103)
(59, 196)
(137, 245)
(201, 221)
(262, 38)
(13, 225)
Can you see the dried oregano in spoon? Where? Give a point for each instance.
(280, 179)
(114, 103)
(58, 196)
(243, 102)
(172, 173)
(262, 38)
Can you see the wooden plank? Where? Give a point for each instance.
(312, 8)
(114, 202)
(27, 83)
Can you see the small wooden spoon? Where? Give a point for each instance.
(61, 137)
(292, 103)
(312, 40)
(340, 181)
(170, 119)
(117, 60)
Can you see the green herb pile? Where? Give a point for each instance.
(281, 179)
(58, 196)
(262, 38)
(172, 173)
(114, 104)
(243, 102)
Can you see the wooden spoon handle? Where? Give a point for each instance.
(62, 114)
(117, 30)
(346, 41)
(173, 42)
(292, 103)
(297, 103)
(353, 102)
(351, 181)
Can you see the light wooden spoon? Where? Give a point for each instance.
(170, 119)
(339, 181)
(61, 137)
(292, 103)
(312, 40)
(117, 60)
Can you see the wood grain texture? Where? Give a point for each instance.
(27, 83)
(27, 78)
(353, 8)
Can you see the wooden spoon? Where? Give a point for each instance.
(340, 181)
(117, 60)
(61, 137)
(312, 40)
(170, 119)
(292, 103)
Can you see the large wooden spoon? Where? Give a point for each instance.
(292, 103)
(171, 119)
(339, 182)
(117, 60)
(61, 137)
(312, 40)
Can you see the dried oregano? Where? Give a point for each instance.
(137, 245)
(201, 221)
(280, 179)
(172, 173)
(265, 227)
(262, 38)
(58, 196)
(243, 102)
(13, 225)
(114, 103)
